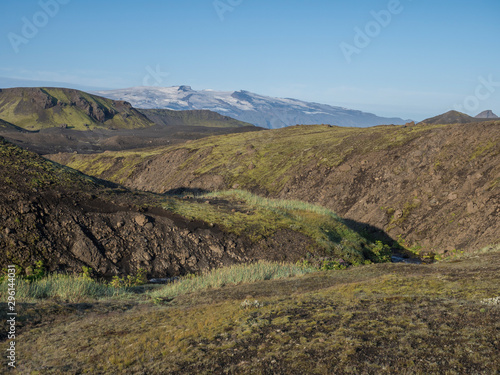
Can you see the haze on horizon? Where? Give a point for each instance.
(392, 57)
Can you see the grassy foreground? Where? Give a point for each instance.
(377, 319)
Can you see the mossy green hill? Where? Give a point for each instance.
(264, 160)
(38, 108)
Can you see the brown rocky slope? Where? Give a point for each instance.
(437, 187)
(68, 220)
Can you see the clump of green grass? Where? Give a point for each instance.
(255, 217)
(66, 287)
(77, 288)
(233, 275)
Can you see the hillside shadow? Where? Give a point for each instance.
(372, 234)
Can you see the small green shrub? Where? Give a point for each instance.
(87, 273)
(30, 273)
(338, 264)
(304, 264)
(129, 281)
(379, 253)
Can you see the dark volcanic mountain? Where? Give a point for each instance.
(487, 114)
(204, 118)
(455, 117)
(451, 117)
(69, 220)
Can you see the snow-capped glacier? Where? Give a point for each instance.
(245, 106)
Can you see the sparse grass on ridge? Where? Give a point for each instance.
(274, 154)
(256, 200)
(462, 255)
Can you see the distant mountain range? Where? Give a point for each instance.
(245, 106)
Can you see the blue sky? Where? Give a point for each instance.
(416, 58)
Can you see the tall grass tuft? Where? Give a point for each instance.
(232, 275)
(67, 287)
